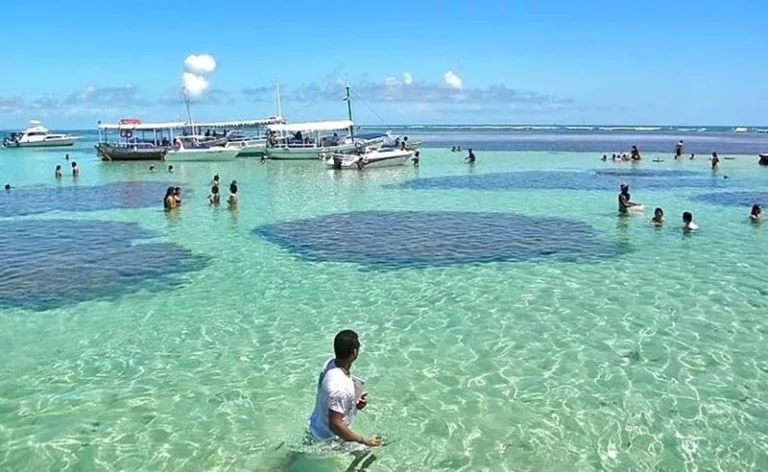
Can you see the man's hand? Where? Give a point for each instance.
(371, 442)
(362, 402)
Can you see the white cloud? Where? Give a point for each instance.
(407, 78)
(194, 85)
(200, 64)
(391, 82)
(452, 80)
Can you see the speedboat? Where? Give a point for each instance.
(370, 158)
(37, 135)
(189, 149)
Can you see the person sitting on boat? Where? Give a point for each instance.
(404, 144)
(471, 157)
(57, 172)
(335, 139)
(232, 200)
(215, 197)
(756, 213)
(625, 204)
(169, 202)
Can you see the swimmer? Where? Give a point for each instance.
(625, 205)
(453, 149)
(756, 213)
(66, 158)
(692, 156)
(75, 169)
(151, 168)
(263, 159)
(458, 148)
(7, 187)
(177, 195)
(57, 172)
(215, 180)
(232, 200)
(715, 161)
(215, 197)
(170, 169)
(635, 154)
(169, 202)
(415, 159)
(688, 224)
(471, 157)
(605, 158)
(658, 217)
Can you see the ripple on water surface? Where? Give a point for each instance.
(608, 179)
(417, 238)
(48, 263)
(116, 195)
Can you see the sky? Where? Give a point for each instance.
(407, 62)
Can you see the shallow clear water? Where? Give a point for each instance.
(650, 359)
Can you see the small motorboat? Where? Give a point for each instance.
(370, 158)
(37, 135)
(189, 149)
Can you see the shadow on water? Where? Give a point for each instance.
(387, 240)
(49, 263)
(744, 199)
(568, 180)
(118, 195)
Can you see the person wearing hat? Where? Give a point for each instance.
(625, 204)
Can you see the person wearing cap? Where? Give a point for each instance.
(624, 200)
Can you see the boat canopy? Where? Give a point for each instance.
(241, 123)
(142, 126)
(312, 126)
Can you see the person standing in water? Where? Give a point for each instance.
(678, 149)
(75, 169)
(339, 397)
(232, 200)
(57, 172)
(715, 161)
(756, 213)
(635, 154)
(658, 217)
(471, 157)
(169, 202)
(625, 204)
(688, 224)
(215, 197)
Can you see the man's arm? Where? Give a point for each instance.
(336, 422)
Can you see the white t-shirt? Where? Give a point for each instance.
(335, 391)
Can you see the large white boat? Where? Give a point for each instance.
(248, 136)
(189, 149)
(37, 135)
(312, 140)
(371, 158)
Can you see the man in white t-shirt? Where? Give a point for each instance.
(338, 396)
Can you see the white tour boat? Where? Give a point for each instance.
(370, 158)
(37, 135)
(190, 149)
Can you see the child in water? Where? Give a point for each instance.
(658, 217)
(215, 197)
(688, 224)
(57, 172)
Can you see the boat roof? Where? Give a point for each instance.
(241, 123)
(143, 126)
(312, 126)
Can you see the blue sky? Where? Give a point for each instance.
(567, 62)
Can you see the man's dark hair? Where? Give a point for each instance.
(345, 343)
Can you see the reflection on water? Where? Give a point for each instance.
(415, 238)
(48, 263)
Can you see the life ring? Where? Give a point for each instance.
(126, 133)
(176, 144)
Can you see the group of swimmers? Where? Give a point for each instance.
(58, 173)
(634, 155)
(626, 206)
(172, 198)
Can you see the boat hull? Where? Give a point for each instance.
(63, 142)
(314, 153)
(115, 153)
(374, 159)
(201, 155)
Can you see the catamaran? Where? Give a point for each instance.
(37, 135)
(312, 140)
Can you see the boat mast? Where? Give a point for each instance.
(189, 113)
(279, 106)
(348, 99)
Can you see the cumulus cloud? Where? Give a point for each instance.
(407, 78)
(200, 64)
(11, 104)
(193, 80)
(257, 94)
(452, 80)
(127, 94)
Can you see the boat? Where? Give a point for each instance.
(315, 139)
(136, 141)
(37, 135)
(190, 149)
(763, 159)
(370, 158)
(234, 134)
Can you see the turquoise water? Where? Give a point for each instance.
(651, 359)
